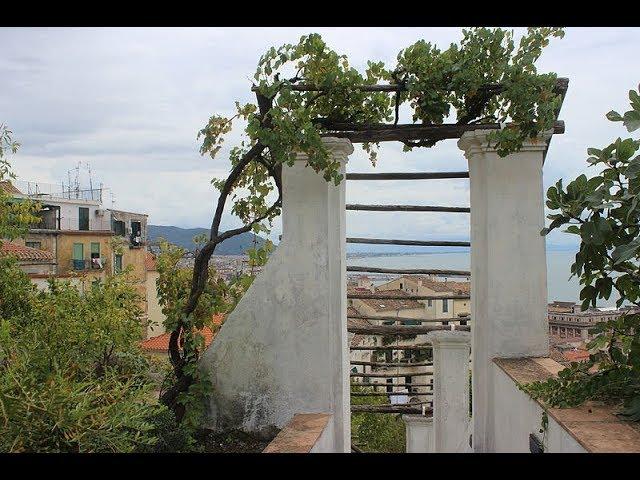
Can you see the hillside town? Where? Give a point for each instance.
(78, 240)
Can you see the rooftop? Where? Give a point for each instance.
(386, 304)
(24, 253)
(160, 343)
(150, 262)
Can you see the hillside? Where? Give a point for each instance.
(184, 237)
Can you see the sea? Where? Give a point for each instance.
(559, 285)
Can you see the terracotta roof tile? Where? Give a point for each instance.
(160, 343)
(385, 304)
(8, 187)
(22, 252)
(576, 355)
(150, 262)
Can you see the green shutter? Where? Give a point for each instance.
(78, 251)
(117, 263)
(83, 218)
(95, 248)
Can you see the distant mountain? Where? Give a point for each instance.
(183, 237)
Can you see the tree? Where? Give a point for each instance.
(72, 376)
(173, 286)
(604, 211)
(375, 432)
(306, 91)
(15, 215)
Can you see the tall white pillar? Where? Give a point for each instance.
(283, 350)
(508, 265)
(450, 390)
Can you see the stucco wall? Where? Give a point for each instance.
(517, 415)
(283, 350)
(154, 310)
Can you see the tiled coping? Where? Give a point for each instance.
(300, 434)
(594, 426)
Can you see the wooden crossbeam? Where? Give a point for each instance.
(407, 175)
(415, 243)
(391, 347)
(408, 409)
(391, 364)
(561, 83)
(407, 208)
(409, 132)
(410, 271)
(400, 330)
(390, 375)
(407, 297)
(385, 394)
(381, 385)
(409, 320)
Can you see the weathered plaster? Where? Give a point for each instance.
(508, 266)
(283, 350)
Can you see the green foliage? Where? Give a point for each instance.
(604, 212)
(72, 377)
(172, 437)
(15, 215)
(436, 81)
(375, 432)
(457, 77)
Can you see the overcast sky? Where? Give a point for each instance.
(130, 102)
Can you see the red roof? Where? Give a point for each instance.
(576, 355)
(25, 253)
(8, 187)
(150, 262)
(160, 343)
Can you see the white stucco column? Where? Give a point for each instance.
(314, 211)
(508, 265)
(418, 433)
(283, 350)
(450, 390)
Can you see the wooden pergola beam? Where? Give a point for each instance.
(561, 85)
(359, 133)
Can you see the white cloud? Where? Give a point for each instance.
(130, 102)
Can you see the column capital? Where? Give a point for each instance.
(445, 338)
(339, 148)
(475, 142)
(417, 419)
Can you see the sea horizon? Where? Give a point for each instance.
(559, 284)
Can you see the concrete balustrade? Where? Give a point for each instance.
(450, 391)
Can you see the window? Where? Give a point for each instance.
(389, 385)
(136, 227)
(78, 256)
(117, 263)
(463, 322)
(83, 218)
(445, 305)
(37, 245)
(96, 261)
(136, 233)
(118, 228)
(400, 285)
(429, 303)
(445, 323)
(407, 380)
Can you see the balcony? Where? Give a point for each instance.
(88, 264)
